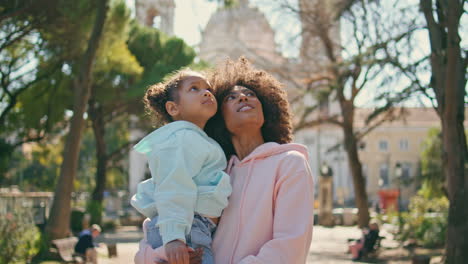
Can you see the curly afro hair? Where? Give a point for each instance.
(158, 94)
(277, 126)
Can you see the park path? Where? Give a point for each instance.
(328, 246)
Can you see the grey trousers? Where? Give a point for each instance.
(200, 236)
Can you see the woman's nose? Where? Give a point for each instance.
(243, 97)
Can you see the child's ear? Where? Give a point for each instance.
(172, 108)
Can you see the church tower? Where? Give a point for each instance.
(156, 13)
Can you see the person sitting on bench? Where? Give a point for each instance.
(365, 245)
(86, 246)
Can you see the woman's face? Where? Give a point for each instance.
(242, 110)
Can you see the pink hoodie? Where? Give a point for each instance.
(269, 218)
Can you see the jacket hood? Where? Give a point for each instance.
(159, 137)
(270, 149)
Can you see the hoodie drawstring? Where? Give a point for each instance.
(239, 223)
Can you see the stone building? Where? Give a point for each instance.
(157, 13)
(239, 31)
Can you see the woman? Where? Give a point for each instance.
(269, 218)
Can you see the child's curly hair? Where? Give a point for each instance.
(277, 126)
(158, 94)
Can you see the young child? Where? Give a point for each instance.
(188, 189)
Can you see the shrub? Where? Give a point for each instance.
(20, 238)
(426, 221)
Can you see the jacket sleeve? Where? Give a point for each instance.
(143, 200)
(176, 192)
(293, 221)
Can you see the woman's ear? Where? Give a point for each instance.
(172, 108)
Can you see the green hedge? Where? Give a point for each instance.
(20, 238)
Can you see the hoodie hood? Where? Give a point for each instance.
(159, 137)
(268, 149)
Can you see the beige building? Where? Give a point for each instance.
(395, 142)
(399, 141)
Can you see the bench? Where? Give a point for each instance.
(374, 253)
(64, 248)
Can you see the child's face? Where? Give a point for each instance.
(196, 102)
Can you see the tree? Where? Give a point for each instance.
(114, 102)
(38, 46)
(448, 82)
(114, 65)
(58, 225)
(341, 67)
(22, 65)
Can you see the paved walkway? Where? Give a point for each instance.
(328, 246)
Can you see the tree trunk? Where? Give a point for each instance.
(454, 143)
(448, 82)
(355, 166)
(97, 118)
(59, 222)
(455, 160)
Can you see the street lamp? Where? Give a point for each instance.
(326, 195)
(325, 170)
(398, 174)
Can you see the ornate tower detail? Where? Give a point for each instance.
(161, 10)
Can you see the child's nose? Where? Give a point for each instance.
(207, 93)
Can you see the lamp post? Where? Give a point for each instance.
(398, 174)
(326, 195)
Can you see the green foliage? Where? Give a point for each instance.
(20, 237)
(5, 156)
(109, 226)
(113, 56)
(95, 210)
(426, 221)
(76, 221)
(158, 54)
(432, 175)
(130, 57)
(44, 169)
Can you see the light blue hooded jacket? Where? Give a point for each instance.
(187, 178)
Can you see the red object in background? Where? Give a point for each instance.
(389, 199)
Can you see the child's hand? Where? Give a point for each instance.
(177, 252)
(195, 257)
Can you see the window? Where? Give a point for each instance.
(383, 145)
(404, 145)
(406, 171)
(383, 175)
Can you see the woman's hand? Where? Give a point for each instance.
(195, 256)
(177, 252)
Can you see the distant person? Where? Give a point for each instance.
(188, 188)
(361, 247)
(86, 246)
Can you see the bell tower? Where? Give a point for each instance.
(156, 13)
